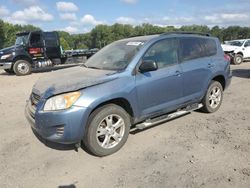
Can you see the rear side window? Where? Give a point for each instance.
(193, 48)
(51, 39)
(209, 46)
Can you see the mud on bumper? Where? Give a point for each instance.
(64, 127)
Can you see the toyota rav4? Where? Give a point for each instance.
(132, 83)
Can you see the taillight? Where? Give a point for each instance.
(227, 57)
(35, 50)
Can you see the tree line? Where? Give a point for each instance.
(102, 35)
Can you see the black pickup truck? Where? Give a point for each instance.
(33, 50)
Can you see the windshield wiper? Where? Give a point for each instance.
(83, 65)
(94, 67)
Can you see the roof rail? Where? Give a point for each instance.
(187, 32)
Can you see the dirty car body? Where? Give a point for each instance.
(143, 95)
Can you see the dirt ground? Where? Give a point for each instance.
(198, 150)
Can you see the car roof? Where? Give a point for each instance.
(22, 33)
(140, 38)
(169, 34)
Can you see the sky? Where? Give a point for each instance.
(82, 15)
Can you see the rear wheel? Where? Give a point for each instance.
(22, 67)
(107, 131)
(238, 59)
(9, 71)
(213, 98)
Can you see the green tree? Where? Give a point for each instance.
(119, 31)
(67, 37)
(100, 36)
(64, 44)
(2, 37)
(81, 41)
(11, 30)
(196, 28)
(217, 32)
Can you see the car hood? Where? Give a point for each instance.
(229, 48)
(7, 50)
(71, 79)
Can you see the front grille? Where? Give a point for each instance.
(32, 111)
(34, 99)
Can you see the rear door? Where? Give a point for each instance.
(161, 90)
(51, 44)
(196, 65)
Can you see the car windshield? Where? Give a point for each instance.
(21, 40)
(235, 43)
(115, 56)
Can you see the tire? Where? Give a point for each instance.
(101, 137)
(238, 59)
(9, 71)
(213, 98)
(22, 68)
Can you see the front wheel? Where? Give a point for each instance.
(22, 67)
(238, 59)
(213, 98)
(107, 130)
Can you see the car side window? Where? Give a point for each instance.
(209, 47)
(190, 49)
(193, 48)
(247, 44)
(163, 52)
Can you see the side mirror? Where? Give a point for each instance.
(147, 66)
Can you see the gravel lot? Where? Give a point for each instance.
(198, 150)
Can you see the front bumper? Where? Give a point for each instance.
(5, 65)
(65, 126)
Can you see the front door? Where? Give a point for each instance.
(160, 91)
(247, 49)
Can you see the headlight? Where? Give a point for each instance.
(61, 102)
(6, 56)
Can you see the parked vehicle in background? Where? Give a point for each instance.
(238, 50)
(133, 83)
(36, 49)
(81, 52)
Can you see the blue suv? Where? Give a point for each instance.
(132, 83)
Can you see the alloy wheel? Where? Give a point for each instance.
(110, 131)
(215, 97)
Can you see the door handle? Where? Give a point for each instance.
(177, 73)
(210, 65)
